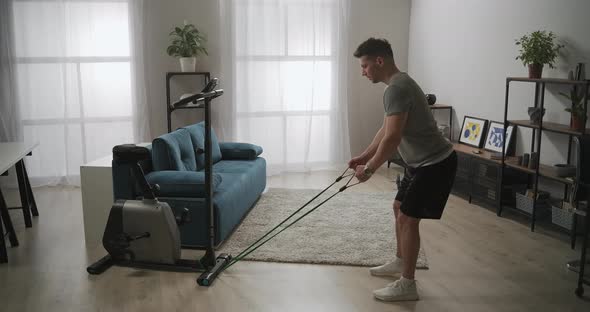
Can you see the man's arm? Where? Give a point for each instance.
(372, 148)
(392, 136)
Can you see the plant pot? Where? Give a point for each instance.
(578, 123)
(535, 71)
(188, 64)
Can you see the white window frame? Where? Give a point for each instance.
(330, 113)
(77, 61)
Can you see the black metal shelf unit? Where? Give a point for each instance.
(435, 107)
(537, 130)
(169, 107)
(582, 279)
(478, 177)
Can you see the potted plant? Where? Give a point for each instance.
(187, 43)
(577, 98)
(578, 119)
(536, 49)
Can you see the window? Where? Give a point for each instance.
(286, 78)
(74, 81)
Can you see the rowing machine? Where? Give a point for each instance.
(144, 233)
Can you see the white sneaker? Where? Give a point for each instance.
(391, 268)
(400, 290)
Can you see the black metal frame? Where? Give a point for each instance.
(581, 279)
(484, 130)
(537, 130)
(450, 109)
(5, 218)
(510, 139)
(210, 250)
(28, 206)
(209, 260)
(214, 264)
(169, 107)
(190, 102)
(26, 194)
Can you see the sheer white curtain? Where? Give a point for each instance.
(284, 70)
(10, 128)
(80, 81)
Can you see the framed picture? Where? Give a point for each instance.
(495, 137)
(472, 131)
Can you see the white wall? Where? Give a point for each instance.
(162, 16)
(389, 19)
(463, 51)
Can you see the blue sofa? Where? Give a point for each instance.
(239, 177)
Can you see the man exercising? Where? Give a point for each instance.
(410, 130)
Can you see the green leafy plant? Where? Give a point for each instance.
(538, 47)
(577, 99)
(187, 41)
(577, 108)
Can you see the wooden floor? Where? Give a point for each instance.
(478, 262)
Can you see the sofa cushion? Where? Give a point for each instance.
(234, 166)
(174, 151)
(181, 183)
(234, 197)
(239, 151)
(197, 134)
(242, 183)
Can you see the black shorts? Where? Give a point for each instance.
(424, 191)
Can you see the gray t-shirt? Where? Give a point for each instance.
(422, 144)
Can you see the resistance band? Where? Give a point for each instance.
(250, 248)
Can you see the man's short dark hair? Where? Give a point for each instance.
(374, 47)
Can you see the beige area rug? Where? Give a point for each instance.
(350, 229)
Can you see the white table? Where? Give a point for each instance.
(96, 182)
(12, 154)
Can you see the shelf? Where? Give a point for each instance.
(544, 171)
(482, 153)
(440, 106)
(170, 108)
(549, 126)
(186, 73)
(516, 210)
(189, 106)
(549, 80)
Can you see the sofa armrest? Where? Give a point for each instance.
(239, 151)
(181, 183)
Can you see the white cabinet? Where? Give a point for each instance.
(96, 181)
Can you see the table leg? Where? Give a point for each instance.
(30, 192)
(24, 193)
(7, 222)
